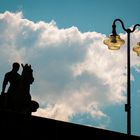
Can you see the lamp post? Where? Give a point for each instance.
(114, 42)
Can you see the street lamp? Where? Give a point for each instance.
(114, 42)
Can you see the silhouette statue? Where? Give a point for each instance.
(18, 96)
(13, 78)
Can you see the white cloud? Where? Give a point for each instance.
(74, 71)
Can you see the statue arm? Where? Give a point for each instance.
(5, 82)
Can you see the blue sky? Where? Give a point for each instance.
(87, 15)
(84, 19)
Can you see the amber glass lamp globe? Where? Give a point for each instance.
(114, 42)
(137, 48)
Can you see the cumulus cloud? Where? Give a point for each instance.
(74, 71)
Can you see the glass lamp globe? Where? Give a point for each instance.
(114, 42)
(137, 48)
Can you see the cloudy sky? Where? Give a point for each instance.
(77, 79)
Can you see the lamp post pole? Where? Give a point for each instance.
(128, 104)
(114, 43)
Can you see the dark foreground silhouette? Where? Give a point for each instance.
(20, 126)
(18, 97)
